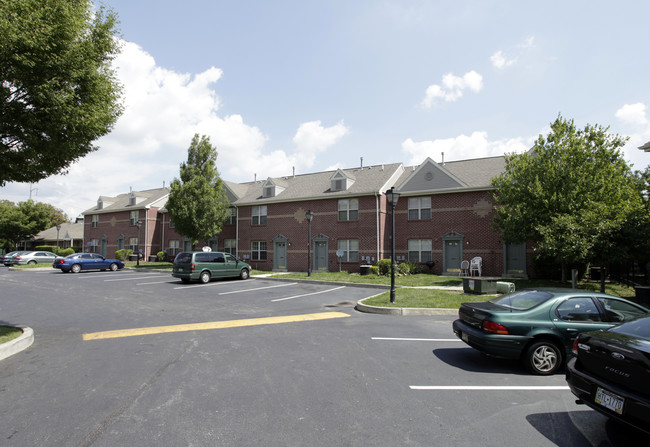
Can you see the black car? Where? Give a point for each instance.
(610, 372)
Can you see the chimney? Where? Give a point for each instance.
(362, 163)
(443, 158)
(294, 172)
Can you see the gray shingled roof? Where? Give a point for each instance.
(367, 181)
(477, 172)
(73, 230)
(144, 199)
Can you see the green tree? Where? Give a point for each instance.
(571, 194)
(58, 92)
(23, 221)
(197, 203)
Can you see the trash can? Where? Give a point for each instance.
(133, 257)
(153, 258)
(642, 295)
(364, 270)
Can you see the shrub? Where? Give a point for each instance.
(123, 254)
(374, 270)
(162, 256)
(404, 268)
(384, 266)
(63, 252)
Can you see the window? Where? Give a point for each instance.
(232, 216)
(258, 250)
(174, 245)
(171, 223)
(229, 246)
(133, 244)
(92, 245)
(419, 250)
(120, 242)
(419, 208)
(578, 309)
(259, 215)
(618, 310)
(135, 217)
(94, 221)
(350, 249)
(349, 209)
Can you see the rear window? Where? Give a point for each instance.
(523, 300)
(183, 258)
(639, 328)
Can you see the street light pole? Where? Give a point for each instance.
(137, 262)
(309, 215)
(58, 227)
(392, 196)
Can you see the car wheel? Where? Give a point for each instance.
(205, 277)
(31, 262)
(543, 358)
(75, 268)
(244, 274)
(113, 267)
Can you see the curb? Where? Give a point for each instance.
(17, 344)
(403, 311)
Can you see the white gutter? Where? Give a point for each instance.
(377, 223)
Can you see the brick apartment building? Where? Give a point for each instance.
(444, 214)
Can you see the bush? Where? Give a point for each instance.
(161, 256)
(123, 254)
(63, 252)
(404, 268)
(374, 270)
(384, 266)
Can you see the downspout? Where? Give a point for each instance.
(162, 242)
(377, 223)
(236, 231)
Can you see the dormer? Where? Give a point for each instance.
(340, 181)
(272, 188)
(132, 199)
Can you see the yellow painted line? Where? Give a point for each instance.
(212, 325)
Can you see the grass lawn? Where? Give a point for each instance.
(9, 333)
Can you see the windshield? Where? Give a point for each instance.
(523, 300)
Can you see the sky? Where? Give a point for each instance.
(315, 86)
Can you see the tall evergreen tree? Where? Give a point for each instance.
(197, 203)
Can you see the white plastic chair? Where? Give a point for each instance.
(464, 268)
(476, 265)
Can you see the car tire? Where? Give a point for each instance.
(113, 267)
(204, 277)
(31, 262)
(543, 358)
(76, 268)
(244, 274)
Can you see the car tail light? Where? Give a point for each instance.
(575, 347)
(192, 267)
(494, 328)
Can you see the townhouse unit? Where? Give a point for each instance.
(443, 216)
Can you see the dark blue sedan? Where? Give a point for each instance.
(86, 261)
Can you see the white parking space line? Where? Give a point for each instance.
(307, 294)
(210, 284)
(259, 288)
(489, 388)
(131, 279)
(415, 339)
(156, 282)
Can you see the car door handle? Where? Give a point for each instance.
(571, 330)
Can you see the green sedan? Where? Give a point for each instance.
(539, 326)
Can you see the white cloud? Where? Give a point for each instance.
(462, 147)
(633, 117)
(499, 60)
(633, 114)
(163, 110)
(452, 88)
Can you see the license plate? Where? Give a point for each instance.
(180, 269)
(609, 400)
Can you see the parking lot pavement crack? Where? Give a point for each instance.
(94, 435)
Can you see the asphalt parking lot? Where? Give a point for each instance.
(126, 358)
